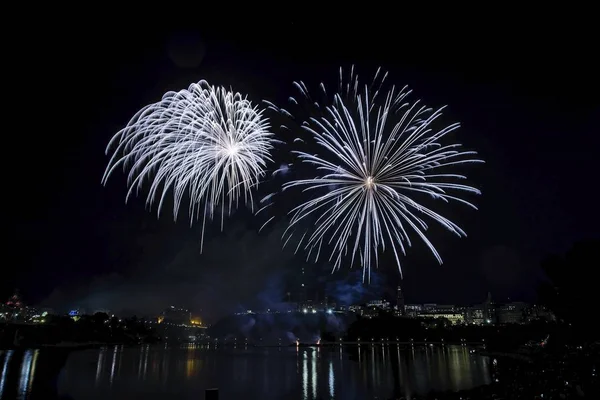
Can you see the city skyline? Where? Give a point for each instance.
(303, 302)
(488, 312)
(78, 242)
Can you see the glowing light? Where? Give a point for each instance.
(305, 383)
(313, 375)
(99, 366)
(330, 311)
(27, 373)
(232, 149)
(331, 380)
(113, 365)
(205, 141)
(4, 372)
(379, 154)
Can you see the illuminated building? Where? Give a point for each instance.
(356, 309)
(381, 304)
(40, 318)
(445, 308)
(177, 316)
(489, 310)
(177, 324)
(474, 315)
(454, 318)
(537, 312)
(412, 310)
(14, 309)
(303, 289)
(400, 302)
(75, 314)
(15, 301)
(430, 307)
(511, 313)
(4, 312)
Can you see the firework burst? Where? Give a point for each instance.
(379, 154)
(205, 141)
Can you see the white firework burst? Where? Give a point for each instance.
(206, 141)
(378, 152)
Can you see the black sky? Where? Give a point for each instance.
(524, 89)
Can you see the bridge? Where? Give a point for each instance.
(410, 343)
(285, 343)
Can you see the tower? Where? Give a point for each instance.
(489, 310)
(15, 300)
(400, 302)
(299, 290)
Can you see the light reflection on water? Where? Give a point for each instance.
(17, 373)
(158, 372)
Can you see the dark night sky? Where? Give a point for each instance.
(525, 93)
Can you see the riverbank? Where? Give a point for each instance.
(568, 374)
(64, 332)
(59, 345)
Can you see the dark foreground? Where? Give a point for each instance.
(28, 374)
(557, 374)
(382, 372)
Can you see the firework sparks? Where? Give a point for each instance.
(380, 152)
(205, 141)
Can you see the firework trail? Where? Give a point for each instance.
(205, 141)
(380, 152)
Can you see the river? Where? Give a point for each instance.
(185, 372)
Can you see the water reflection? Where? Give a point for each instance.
(158, 372)
(17, 373)
(331, 380)
(99, 366)
(7, 356)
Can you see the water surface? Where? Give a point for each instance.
(185, 372)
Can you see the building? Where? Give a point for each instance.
(489, 310)
(429, 308)
(537, 312)
(511, 313)
(4, 312)
(453, 318)
(357, 309)
(474, 315)
(401, 307)
(412, 310)
(177, 316)
(445, 308)
(301, 296)
(14, 301)
(14, 309)
(381, 304)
